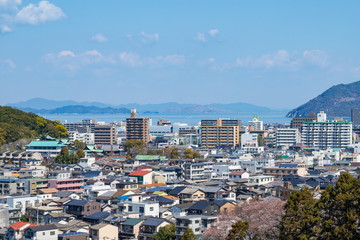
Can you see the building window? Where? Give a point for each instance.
(52, 233)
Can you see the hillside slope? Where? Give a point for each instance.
(16, 124)
(337, 101)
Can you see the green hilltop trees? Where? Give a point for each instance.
(16, 124)
(336, 215)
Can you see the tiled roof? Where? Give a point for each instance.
(48, 190)
(139, 173)
(18, 225)
(132, 221)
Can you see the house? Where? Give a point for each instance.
(151, 226)
(43, 232)
(54, 217)
(104, 231)
(74, 236)
(80, 208)
(238, 175)
(191, 195)
(197, 223)
(130, 229)
(96, 218)
(143, 177)
(16, 231)
(216, 207)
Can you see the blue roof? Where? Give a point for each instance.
(155, 189)
(97, 215)
(152, 221)
(72, 234)
(289, 165)
(124, 197)
(76, 203)
(45, 144)
(177, 190)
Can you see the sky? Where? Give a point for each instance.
(277, 54)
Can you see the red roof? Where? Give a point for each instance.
(139, 173)
(237, 173)
(18, 225)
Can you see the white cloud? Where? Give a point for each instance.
(5, 29)
(213, 32)
(317, 57)
(200, 37)
(66, 53)
(39, 13)
(9, 4)
(99, 38)
(6, 65)
(134, 60)
(130, 59)
(143, 37)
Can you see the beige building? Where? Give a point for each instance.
(137, 128)
(105, 135)
(220, 133)
(104, 231)
(286, 169)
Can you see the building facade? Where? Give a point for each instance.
(324, 134)
(220, 133)
(137, 128)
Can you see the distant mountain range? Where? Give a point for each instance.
(337, 101)
(46, 106)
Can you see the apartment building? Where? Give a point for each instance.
(286, 137)
(220, 133)
(324, 134)
(105, 135)
(85, 126)
(297, 122)
(137, 128)
(286, 169)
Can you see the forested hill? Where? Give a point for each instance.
(337, 101)
(16, 124)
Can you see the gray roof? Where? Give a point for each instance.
(152, 221)
(43, 227)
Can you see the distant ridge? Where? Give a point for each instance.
(337, 101)
(46, 106)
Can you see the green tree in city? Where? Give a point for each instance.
(302, 216)
(79, 145)
(340, 205)
(188, 235)
(238, 231)
(80, 153)
(166, 233)
(134, 147)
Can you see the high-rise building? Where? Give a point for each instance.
(355, 117)
(256, 124)
(220, 133)
(324, 134)
(137, 128)
(105, 135)
(297, 122)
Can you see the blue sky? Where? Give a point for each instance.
(278, 54)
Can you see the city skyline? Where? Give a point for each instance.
(272, 54)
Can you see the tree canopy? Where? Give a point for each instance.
(16, 124)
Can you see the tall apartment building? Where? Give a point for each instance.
(85, 126)
(256, 124)
(287, 137)
(324, 134)
(137, 128)
(297, 122)
(105, 135)
(220, 133)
